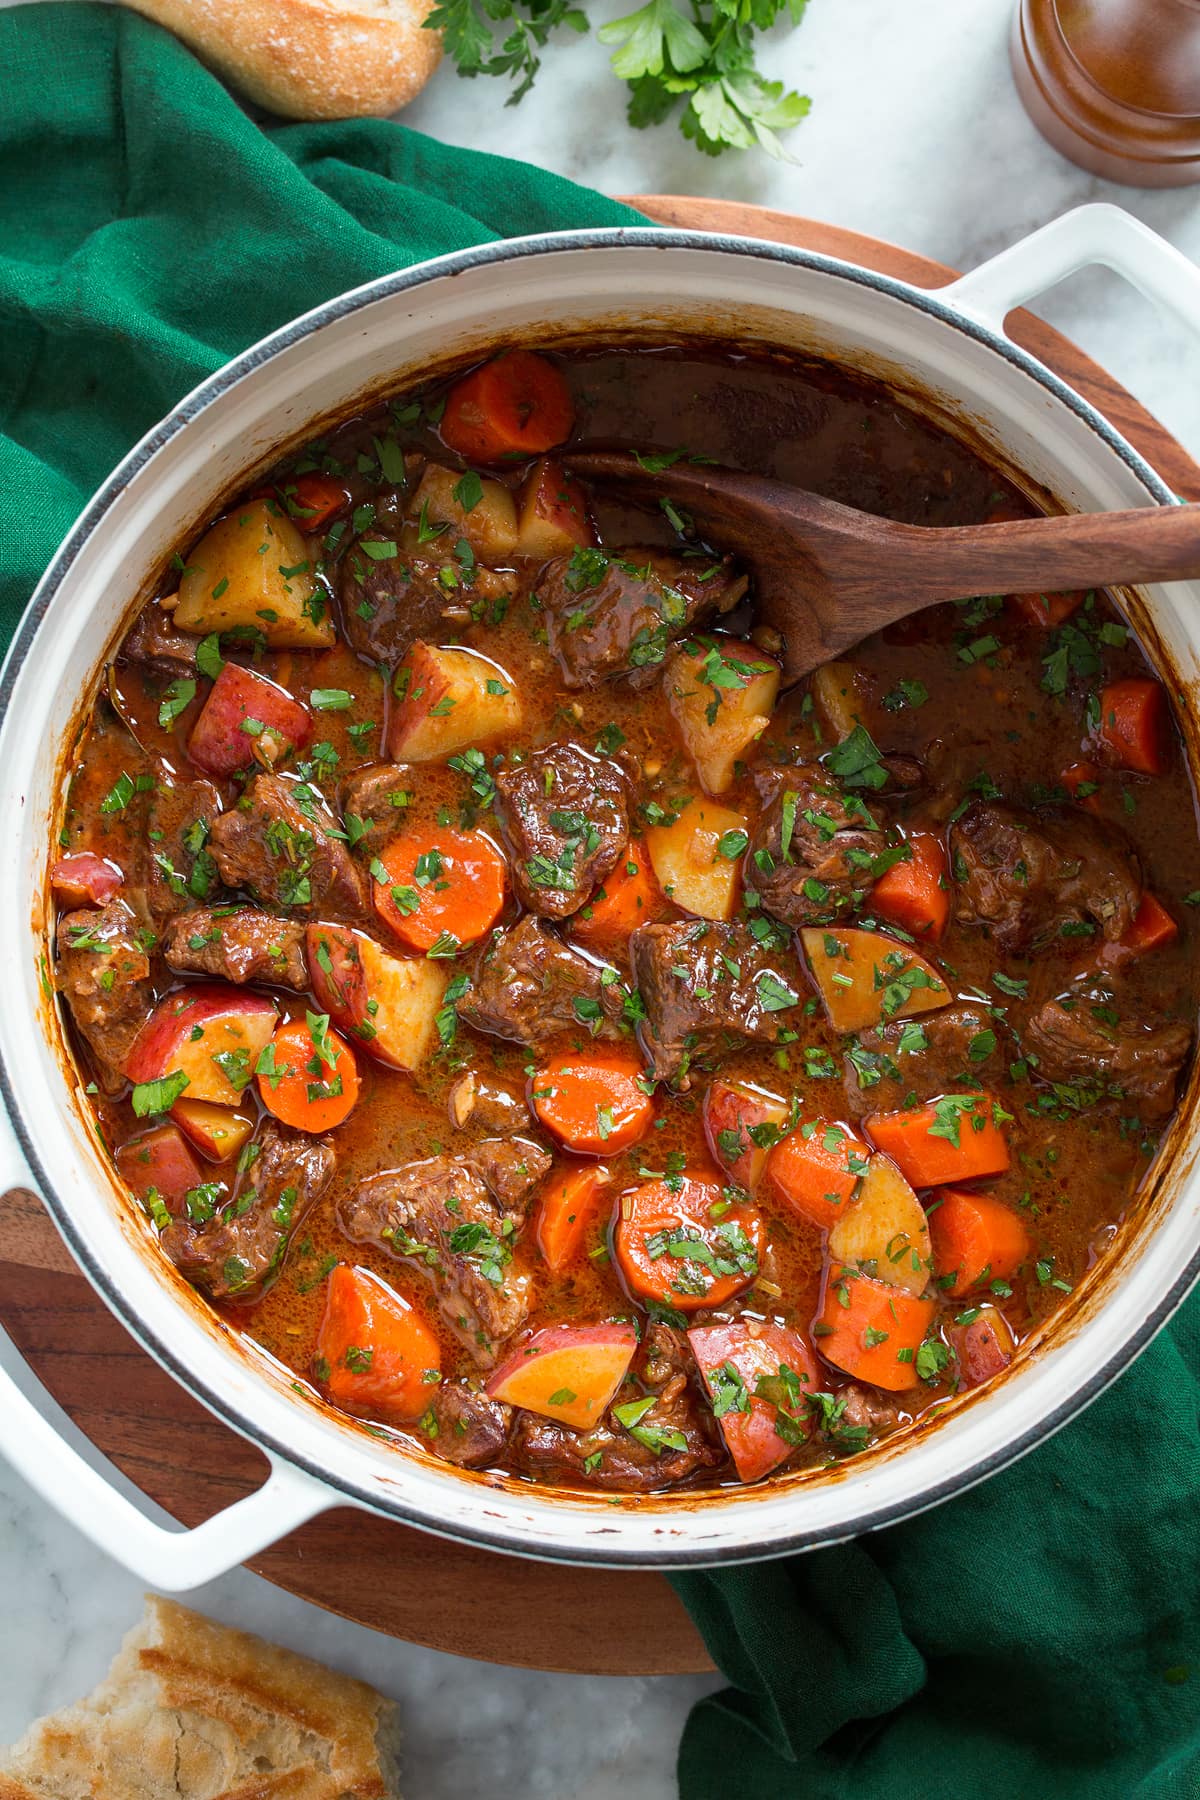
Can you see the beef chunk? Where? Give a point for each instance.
(478, 1100)
(178, 867)
(1038, 879)
(152, 643)
(565, 815)
(465, 1427)
(630, 1464)
(235, 1255)
(390, 602)
(705, 985)
(530, 986)
(104, 976)
(813, 850)
(370, 796)
(278, 842)
(1081, 1040)
(454, 1219)
(620, 615)
(238, 944)
(861, 1408)
(922, 1057)
(510, 1169)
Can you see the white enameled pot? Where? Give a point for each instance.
(948, 350)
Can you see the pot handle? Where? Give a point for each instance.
(1097, 233)
(170, 1560)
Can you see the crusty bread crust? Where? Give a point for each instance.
(197, 1710)
(310, 59)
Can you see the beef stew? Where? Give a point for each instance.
(561, 1050)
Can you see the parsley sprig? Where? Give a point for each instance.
(691, 59)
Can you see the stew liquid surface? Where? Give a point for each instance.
(556, 1046)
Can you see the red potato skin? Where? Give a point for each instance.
(555, 497)
(84, 879)
(984, 1347)
(559, 1337)
(217, 742)
(752, 1440)
(195, 1127)
(342, 990)
(169, 1026)
(730, 1107)
(548, 1346)
(160, 1159)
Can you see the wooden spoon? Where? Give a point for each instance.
(826, 576)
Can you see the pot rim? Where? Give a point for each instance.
(192, 408)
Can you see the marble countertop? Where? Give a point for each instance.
(915, 135)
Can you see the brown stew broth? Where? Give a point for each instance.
(987, 727)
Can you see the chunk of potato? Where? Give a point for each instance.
(884, 1230)
(836, 689)
(470, 506)
(697, 859)
(554, 516)
(447, 699)
(252, 570)
(868, 979)
(389, 1002)
(721, 695)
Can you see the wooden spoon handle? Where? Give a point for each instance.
(1152, 543)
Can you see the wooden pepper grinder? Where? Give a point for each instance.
(1114, 84)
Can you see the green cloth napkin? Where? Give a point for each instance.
(1036, 1639)
(1039, 1637)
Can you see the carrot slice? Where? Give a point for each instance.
(1048, 610)
(571, 1201)
(628, 897)
(916, 894)
(1152, 929)
(307, 1075)
(375, 1353)
(871, 1330)
(1081, 780)
(516, 405)
(954, 1138)
(314, 500)
(595, 1105)
(1133, 725)
(816, 1169)
(434, 886)
(681, 1243)
(975, 1238)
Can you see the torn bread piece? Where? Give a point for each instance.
(194, 1710)
(310, 59)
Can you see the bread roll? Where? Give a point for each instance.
(310, 59)
(202, 1712)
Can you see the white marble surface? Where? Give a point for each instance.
(915, 136)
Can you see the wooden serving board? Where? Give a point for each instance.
(394, 1579)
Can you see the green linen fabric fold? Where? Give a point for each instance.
(149, 230)
(1037, 1637)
